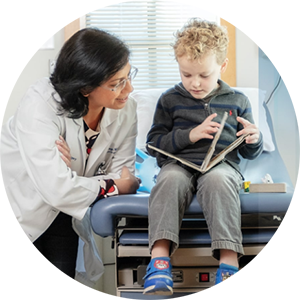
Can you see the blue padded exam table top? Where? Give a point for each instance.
(104, 212)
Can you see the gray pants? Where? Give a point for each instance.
(218, 195)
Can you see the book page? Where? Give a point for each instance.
(182, 160)
(212, 147)
(208, 163)
(224, 152)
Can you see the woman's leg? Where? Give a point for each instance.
(59, 244)
(42, 270)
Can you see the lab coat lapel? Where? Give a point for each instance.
(109, 123)
(76, 141)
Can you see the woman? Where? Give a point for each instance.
(70, 143)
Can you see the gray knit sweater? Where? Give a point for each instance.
(178, 112)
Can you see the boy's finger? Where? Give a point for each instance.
(215, 124)
(210, 117)
(239, 133)
(243, 121)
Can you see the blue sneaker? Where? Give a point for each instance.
(158, 278)
(225, 271)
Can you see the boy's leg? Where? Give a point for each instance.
(218, 195)
(161, 248)
(229, 257)
(168, 200)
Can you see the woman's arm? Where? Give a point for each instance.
(36, 128)
(126, 184)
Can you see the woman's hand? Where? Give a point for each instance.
(128, 183)
(64, 149)
(248, 128)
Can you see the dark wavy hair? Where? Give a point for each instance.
(89, 58)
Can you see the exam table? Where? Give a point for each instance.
(124, 218)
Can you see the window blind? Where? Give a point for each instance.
(148, 28)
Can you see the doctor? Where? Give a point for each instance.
(70, 143)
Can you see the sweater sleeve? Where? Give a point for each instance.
(162, 134)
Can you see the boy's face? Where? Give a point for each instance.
(200, 77)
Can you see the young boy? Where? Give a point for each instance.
(186, 118)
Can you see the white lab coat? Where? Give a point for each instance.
(38, 183)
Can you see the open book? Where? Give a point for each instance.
(208, 162)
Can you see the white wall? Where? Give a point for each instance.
(246, 61)
(22, 66)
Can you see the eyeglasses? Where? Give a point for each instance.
(121, 85)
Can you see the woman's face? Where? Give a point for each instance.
(103, 96)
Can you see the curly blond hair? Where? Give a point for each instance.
(199, 37)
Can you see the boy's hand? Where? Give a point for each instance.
(248, 128)
(204, 130)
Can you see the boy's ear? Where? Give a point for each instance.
(224, 65)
